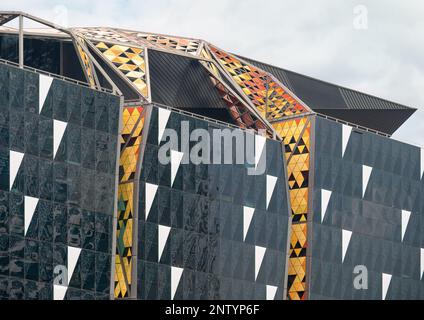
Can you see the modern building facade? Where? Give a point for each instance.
(89, 209)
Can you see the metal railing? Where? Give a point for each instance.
(129, 103)
(354, 125)
(55, 76)
(228, 125)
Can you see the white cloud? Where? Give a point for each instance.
(312, 37)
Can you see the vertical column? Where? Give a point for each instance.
(296, 135)
(131, 138)
(21, 41)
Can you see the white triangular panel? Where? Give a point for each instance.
(73, 256)
(260, 142)
(422, 163)
(366, 175)
(422, 264)
(163, 119)
(325, 200)
(14, 165)
(176, 274)
(347, 131)
(45, 84)
(247, 220)
(59, 128)
(151, 190)
(271, 182)
(406, 216)
(259, 259)
(346, 237)
(176, 158)
(387, 279)
(163, 234)
(59, 292)
(30, 206)
(271, 291)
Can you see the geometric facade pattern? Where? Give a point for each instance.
(57, 212)
(270, 98)
(83, 187)
(202, 237)
(296, 135)
(129, 61)
(238, 110)
(381, 231)
(86, 62)
(131, 138)
(178, 44)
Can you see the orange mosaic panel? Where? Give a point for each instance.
(88, 68)
(130, 140)
(129, 61)
(296, 134)
(212, 68)
(271, 99)
(238, 111)
(180, 44)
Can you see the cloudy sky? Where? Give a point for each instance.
(374, 46)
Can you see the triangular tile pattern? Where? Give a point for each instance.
(260, 143)
(242, 115)
(131, 137)
(406, 216)
(386, 280)
(366, 175)
(163, 235)
(151, 191)
(163, 118)
(347, 132)
(248, 214)
(270, 98)
(271, 183)
(422, 264)
(129, 61)
(176, 274)
(73, 257)
(30, 206)
(15, 161)
(297, 146)
(124, 240)
(180, 44)
(59, 292)
(87, 63)
(296, 134)
(346, 237)
(297, 262)
(44, 88)
(271, 292)
(325, 201)
(59, 128)
(176, 158)
(259, 259)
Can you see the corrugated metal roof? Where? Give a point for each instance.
(357, 100)
(183, 83)
(319, 94)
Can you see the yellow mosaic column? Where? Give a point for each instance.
(131, 137)
(296, 136)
